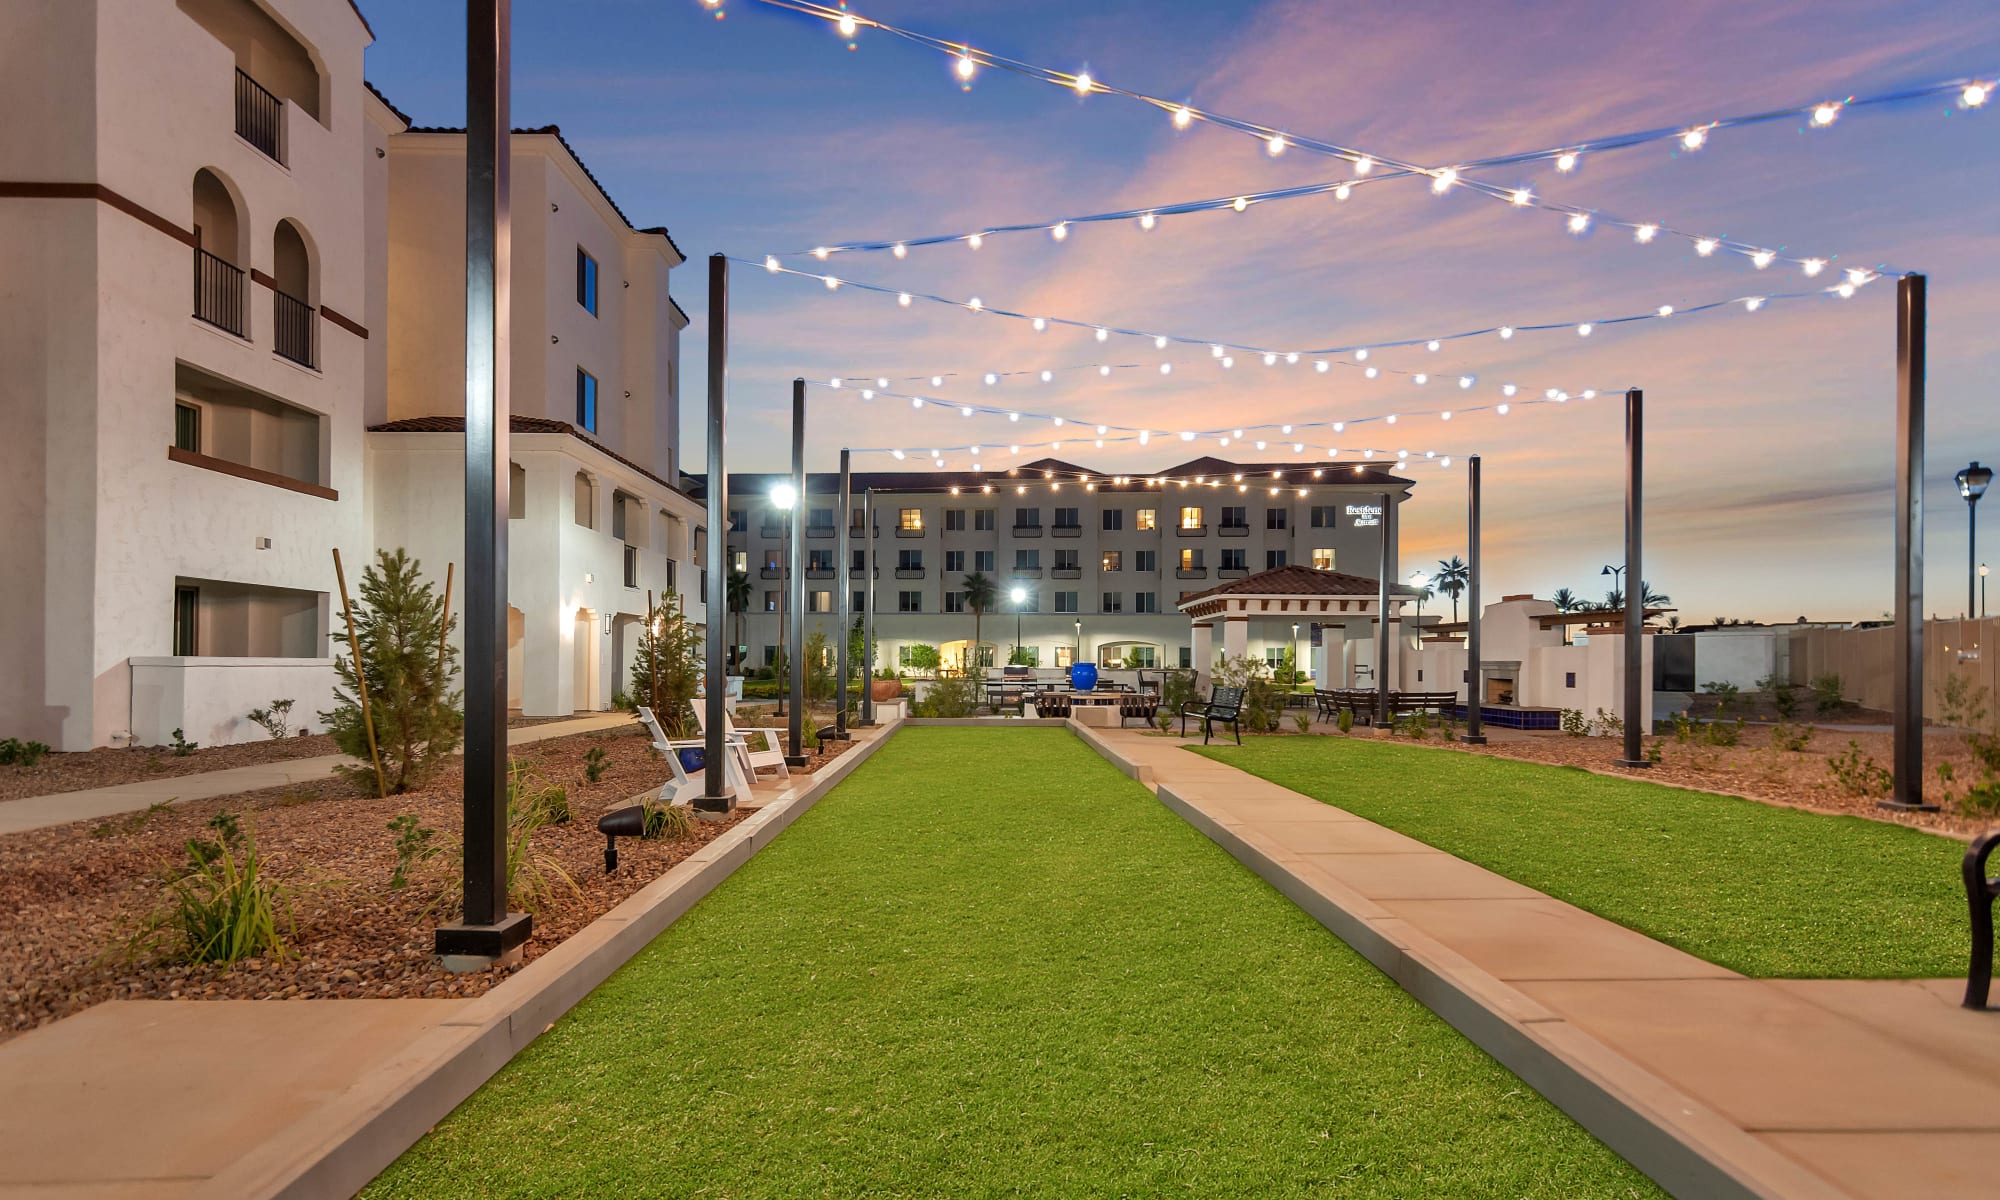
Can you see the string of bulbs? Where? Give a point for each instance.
(1241, 481)
(1400, 458)
(1224, 351)
(1971, 93)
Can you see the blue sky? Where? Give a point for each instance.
(1770, 435)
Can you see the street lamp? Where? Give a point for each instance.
(1078, 656)
(783, 496)
(1295, 656)
(1019, 596)
(1972, 483)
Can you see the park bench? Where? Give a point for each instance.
(1223, 704)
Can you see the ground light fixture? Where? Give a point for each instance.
(1972, 483)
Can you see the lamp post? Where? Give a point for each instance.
(1078, 656)
(1295, 656)
(1972, 482)
(783, 496)
(1617, 576)
(1019, 595)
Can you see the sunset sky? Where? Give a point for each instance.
(1770, 435)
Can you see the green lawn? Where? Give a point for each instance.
(1766, 891)
(990, 965)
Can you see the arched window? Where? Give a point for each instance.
(218, 253)
(293, 317)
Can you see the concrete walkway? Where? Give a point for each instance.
(37, 812)
(1835, 1088)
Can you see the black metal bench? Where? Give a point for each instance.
(1223, 704)
(1980, 893)
(1142, 706)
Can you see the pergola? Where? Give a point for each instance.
(1287, 594)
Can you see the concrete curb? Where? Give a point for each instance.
(350, 1140)
(1682, 1144)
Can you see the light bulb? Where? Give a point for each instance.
(1160, 342)
(1858, 275)
(1431, 345)
(1183, 117)
(966, 66)
(1814, 266)
(1104, 369)
(900, 250)
(937, 381)
(1566, 161)
(1320, 365)
(1343, 191)
(991, 379)
(867, 393)
(1590, 393)
(1465, 381)
(1102, 430)
(1645, 233)
(1292, 358)
(1693, 139)
(1442, 181)
(1826, 114)
(1040, 324)
(1275, 146)
(1578, 222)
(1508, 389)
(1583, 330)
(771, 263)
(1228, 361)
(1340, 427)
(1102, 333)
(1666, 310)
(1522, 197)
(1975, 94)
(1372, 372)
(830, 281)
(898, 453)
(1059, 230)
(1420, 379)
(1147, 220)
(1363, 165)
(1013, 416)
(976, 240)
(1083, 84)
(833, 383)
(903, 298)
(1763, 258)
(1270, 360)
(1705, 246)
(965, 411)
(1445, 461)
(1215, 352)
(1286, 429)
(820, 253)
(882, 382)
(1048, 375)
(1187, 436)
(1166, 368)
(1361, 355)
(1445, 415)
(1240, 203)
(974, 304)
(916, 402)
(1846, 290)
(1056, 421)
(1506, 332)
(1502, 410)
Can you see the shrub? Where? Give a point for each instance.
(1786, 736)
(819, 669)
(413, 848)
(1609, 724)
(275, 720)
(1724, 693)
(1655, 753)
(529, 792)
(594, 762)
(667, 667)
(1784, 694)
(666, 821)
(1346, 720)
(1303, 722)
(1960, 704)
(1685, 730)
(921, 657)
(1024, 656)
(1573, 722)
(953, 695)
(1826, 693)
(622, 701)
(1412, 725)
(17, 753)
(228, 836)
(532, 876)
(1724, 733)
(1858, 774)
(183, 747)
(1177, 687)
(227, 909)
(400, 625)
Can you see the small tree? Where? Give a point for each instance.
(923, 657)
(819, 670)
(667, 666)
(400, 625)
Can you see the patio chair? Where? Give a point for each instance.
(1223, 704)
(680, 787)
(773, 754)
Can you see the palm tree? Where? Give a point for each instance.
(1424, 592)
(739, 603)
(1566, 601)
(1651, 598)
(1451, 579)
(980, 594)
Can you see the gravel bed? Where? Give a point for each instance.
(77, 901)
(105, 767)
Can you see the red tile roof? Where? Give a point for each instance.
(1294, 580)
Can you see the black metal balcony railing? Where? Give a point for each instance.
(292, 325)
(218, 292)
(259, 115)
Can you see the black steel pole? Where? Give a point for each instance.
(841, 577)
(1907, 673)
(1971, 551)
(1635, 579)
(487, 930)
(795, 584)
(1475, 673)
(716, 796)
(1382, 621)
(867, 608)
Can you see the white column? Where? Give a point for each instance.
(1202, 653)
(1236, 636)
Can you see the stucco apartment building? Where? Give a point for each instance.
(207, 300)
(1112, 554)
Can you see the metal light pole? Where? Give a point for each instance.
(1634, 575)
(795, 586)
(716, 797)
(1475, 673)
(486, 930)
(1382, 620)
(782, 497)
(1019, 596)
(868, 608)
(1972, 483)
(1907, 671)
(841, 582)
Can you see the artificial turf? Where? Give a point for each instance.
(987, 964)
(1767, 891)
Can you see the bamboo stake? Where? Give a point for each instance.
(444, 628)
(360, 675)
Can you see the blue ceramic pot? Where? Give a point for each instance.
(1083, 676)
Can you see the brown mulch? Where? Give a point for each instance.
(76, 771)
(77, 901)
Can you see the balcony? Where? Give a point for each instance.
(218, 292)
(1067, 573)
(1027, 572)
(293, 327)
(1067, 531)
(771, 573)
(909, 572)
(1232, 572)
(819, 531)
(770, 531)
(1027, 531)
(903, 532)
(259, 116)
(1191, 573)
(1234, 531)
(819, 572)
(1192, 530)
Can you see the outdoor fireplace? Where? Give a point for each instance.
(1499, 691)
(1500, 678)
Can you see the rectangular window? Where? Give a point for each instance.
(1322, 516)
(1145, 602)
(1187, 657)
(1027, 518)
(737, 523)
(1144, 520)
(1235, 517)
(819, 520)
(1066, 560)
(911, 519)
(739, 560)
(982, 561)
(187, 620)
(982, 520)
(1065, 656)
(187, 428)
(819, 560)
(1190, 559)
(586, 281)
(1065, 602)
(909, 560)
(1323, 560)
(770, 655)
(1032, 602)
(954, 520)
(954, 602)
(770, 602)
(909, 602)
(771, 561)
(857, 560)
(860, 602)
(1145, 560)
(1274, 518)
(954, 562)
(1114, 602)
(1569, 679)
(1114, 518)
(631, 566)
(1027, 560)
(819, 602)
(1110, 560)
(586, 400)
(1191, 518)
(857, 521)
(1066, 518)
(1273, 559)
(1273, 655)
(1232, 559)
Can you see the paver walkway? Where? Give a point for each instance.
(60, 808)
(1854, 1088)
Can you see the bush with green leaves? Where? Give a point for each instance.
(1858, 774)
(921, 657)
(529, 791)
(226, 909)
(1025, 656)
(594, 761)
(819, 669)
(954, 694)
(413, 843)
(1789, 738)
(400, 625)
(1303, 722)
(16, 753)
(1724, 694)
(667, 666)
(182, 747)
(1783, 692)
(1346, 720)
(1961, 705)
(1826, 691)
(1574, 723)
(1608, 724)
(665, 821)
(275, 719)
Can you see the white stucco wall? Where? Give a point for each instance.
(209, 699)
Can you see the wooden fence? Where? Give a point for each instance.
(1863, 659)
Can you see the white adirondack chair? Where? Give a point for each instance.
(773, 755)
(680, 787)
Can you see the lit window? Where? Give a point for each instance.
(1323, 560)
(1191, 518)
(1111, 561)
(911, 519)
(1143, 519)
